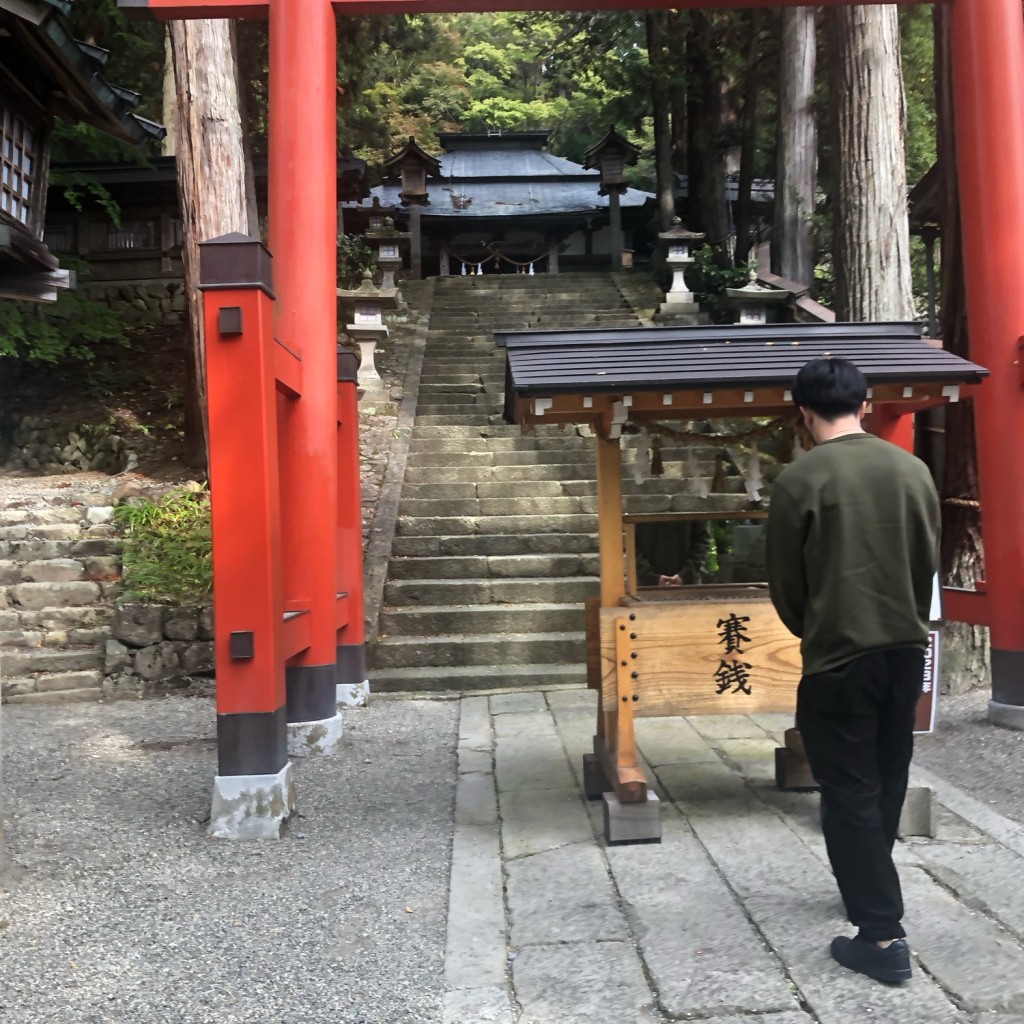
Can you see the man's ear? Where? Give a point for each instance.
(863, 410)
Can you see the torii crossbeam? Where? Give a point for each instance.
(321, 537)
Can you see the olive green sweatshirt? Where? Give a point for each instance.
(852, 535)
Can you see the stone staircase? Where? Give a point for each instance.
(495, 547)
(59, 572)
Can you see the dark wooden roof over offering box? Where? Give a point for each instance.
(673, 372)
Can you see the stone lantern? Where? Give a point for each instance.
(389, 254)
(753, 300)
(611, 156)
(364, 307)
(413, 165)
(678, 242)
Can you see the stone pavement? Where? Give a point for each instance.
(728, 920)
(445, 869)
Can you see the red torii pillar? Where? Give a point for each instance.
(988, 79)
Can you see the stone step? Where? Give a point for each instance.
(52, 682)
(495, 544)
(498, 485)
(469, 567)
(460, 438)
(468, 678)
(480, 419)
(36, 596)
(59, 697)
(440, 620)
(528, 590)
(527, 507)
(26, 662)
(32, 550)
(421, 525)
(49, 619)
(560, 648)
(479, 472)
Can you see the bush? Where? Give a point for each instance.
(354, 257)
(70, 328)
(168, 547)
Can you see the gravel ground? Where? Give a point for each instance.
(127, 911)
(982, 759)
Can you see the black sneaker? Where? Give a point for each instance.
(890, 965)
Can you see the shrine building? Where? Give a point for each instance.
(501, 203)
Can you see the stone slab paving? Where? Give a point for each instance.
(728, 919)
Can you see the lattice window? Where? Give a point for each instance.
(19, 159)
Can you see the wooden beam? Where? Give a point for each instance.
(169, 9)
(609, 520)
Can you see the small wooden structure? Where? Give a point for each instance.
(700, 650)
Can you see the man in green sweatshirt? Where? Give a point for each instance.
(852, 553)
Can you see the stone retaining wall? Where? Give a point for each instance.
(36, 443)
(143, 302)
(156, 648)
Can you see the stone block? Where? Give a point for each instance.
(917, 818)
(537, 820)
(512, 703)
(632, 823)
(159, 661)
(475, 800)
(58, 681)
(10, 573)
(82, 696)
(117, 657)
(475, 952)
(181, 623)
(139, 624)
(206, 623)
(53, 570)
(122, 686)
(308, 739)
(37, 596)
(563, 895)
(582, 982)
(197, 658)
(489, 1005)
(251, 806)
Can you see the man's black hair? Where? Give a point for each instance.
(831, 388)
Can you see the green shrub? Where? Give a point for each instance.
(354, 256)
(168, 547)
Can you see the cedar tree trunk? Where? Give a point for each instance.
(796, 153)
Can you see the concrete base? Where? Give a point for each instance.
(683, 307)
(632, 823)
(354, 695)
(251, 806)
(310, 738)
(595, 782)
(917, 819)
(1009, 716)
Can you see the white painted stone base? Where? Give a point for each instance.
(354, 695)
(311, 738)
(251, 806)
(1009, 716)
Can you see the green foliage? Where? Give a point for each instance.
(354, 258)
(918, 49)
(168, 547)
(712, 273)
(70, 328)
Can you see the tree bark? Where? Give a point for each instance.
(706, 204)
(751, 87)
(211, 182)
(965, 663)
(796, 152)
(658, 61)
(872, 237)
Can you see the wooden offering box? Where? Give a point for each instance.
(713, 649)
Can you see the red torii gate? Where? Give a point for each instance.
(321, 540)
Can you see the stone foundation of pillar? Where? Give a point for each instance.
(252, 806)
(307, 739)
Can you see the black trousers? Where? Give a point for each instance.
(857, 723)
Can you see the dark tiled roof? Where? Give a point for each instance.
(506, 199)
(639, 359)
(76, 69)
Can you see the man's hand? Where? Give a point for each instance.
(670, 581)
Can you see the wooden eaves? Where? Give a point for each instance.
(604, 377)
